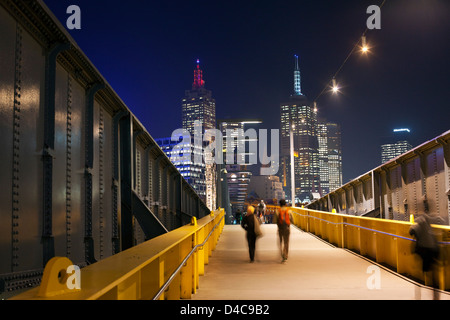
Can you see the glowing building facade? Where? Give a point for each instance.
(396, 144)
(330, 156)
(198, 115)
(299, 119)
(198, 104)
(315, 148)
(237, 164)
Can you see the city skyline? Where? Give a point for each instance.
(89, 189)
(246, 52)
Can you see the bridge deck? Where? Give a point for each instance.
(314, 270)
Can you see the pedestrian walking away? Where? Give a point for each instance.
(427, 246)
(238, 217)
(283, 219)
(251, 225)
(262, 212)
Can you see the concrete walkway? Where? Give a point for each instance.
(315, 270)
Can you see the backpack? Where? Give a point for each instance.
(283, 217)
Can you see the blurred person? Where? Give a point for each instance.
(238, 216)
(251, 224)
(269, 216)
(283, 219)
(261, 211)
(427, 246)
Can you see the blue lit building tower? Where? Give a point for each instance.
(297, 86)
(300, 118)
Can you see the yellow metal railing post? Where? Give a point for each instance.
(160, 275)
(206, 247)
(55, 278)
(195, 257)
(187, 272)
(201, 252)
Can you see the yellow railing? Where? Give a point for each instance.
(386, 242)
(164, 268)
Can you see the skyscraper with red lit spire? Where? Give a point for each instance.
(198, 77)
(199, 105)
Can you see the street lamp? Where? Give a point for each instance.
(334, 86)
(364, 47)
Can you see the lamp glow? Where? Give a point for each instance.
(364, 46)
(334, 86)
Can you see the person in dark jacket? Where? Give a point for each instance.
(238, 216)
(427, 246)
(248, 223)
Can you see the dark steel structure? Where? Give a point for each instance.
(80, 176)
(415, 182)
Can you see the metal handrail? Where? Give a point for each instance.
(365, 228)
(355, 225)
(172, 276)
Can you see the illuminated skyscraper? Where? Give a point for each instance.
(330, 156)
(300, 119)
(396, 144)
(324, 170)
(198, 115)
(238, 166)
(198, 105)
(297, 82)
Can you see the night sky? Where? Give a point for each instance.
(147, 52)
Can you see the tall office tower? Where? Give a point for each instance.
(324, 169)
(199, 105)
(299, 119)
(330, 156)
(395, 144)
(334, 156)
(238, 164)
